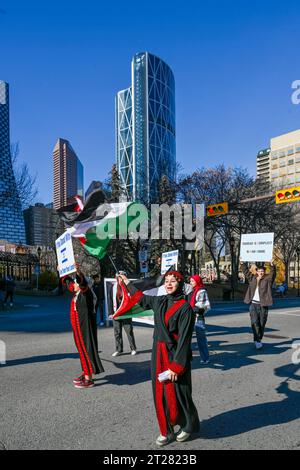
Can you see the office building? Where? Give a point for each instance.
(68, 174)
(285, 160)
(11, 217)
(263, 166)
(145, 128)
(43, 225)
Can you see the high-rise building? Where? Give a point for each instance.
(93, 187)
(263, 166)
(42, 224)
(68, 174)
(145, 128)
(285, 160)
(11, 217)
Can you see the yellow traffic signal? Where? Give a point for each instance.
(288, 195)
(217, 209)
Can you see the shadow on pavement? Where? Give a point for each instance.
(249, 418)
(37, 359)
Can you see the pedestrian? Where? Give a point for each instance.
(171, 355)
(9, 290)
(82, 315)
(98, 289)
(120, 324)
(199, 301)
(259, 297)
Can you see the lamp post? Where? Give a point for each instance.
(38, 267)
(298, 264)
(232, 243)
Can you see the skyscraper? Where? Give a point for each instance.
(263, 166)
(145, 128)
(68, 174)
(42, 225)
(11, 217)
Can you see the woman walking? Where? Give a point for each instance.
(82, 321)
(199, 301)
(171, 353)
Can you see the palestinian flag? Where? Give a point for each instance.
(99, 222)
(129, 307)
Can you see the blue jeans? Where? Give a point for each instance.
(201, 340)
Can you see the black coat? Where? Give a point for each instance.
(175, 336)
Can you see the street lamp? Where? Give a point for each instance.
(298, 264)
(38, 267)
(232, 244)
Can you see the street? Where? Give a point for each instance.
(246, 399)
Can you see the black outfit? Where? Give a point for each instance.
(84, 327)
(259, 318)
(98, 289)
(173, 329)
(10, 288)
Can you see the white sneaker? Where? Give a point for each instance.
(102, 324)
(182, 436)
(115, 354)
(133, 352)
(258, 345)
(164, 440)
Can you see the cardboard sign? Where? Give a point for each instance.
(257, 247)
(65, 254)
(169, 259)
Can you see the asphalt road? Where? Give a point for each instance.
(246, 399)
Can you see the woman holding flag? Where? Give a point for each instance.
(84, 329)
(171, 353)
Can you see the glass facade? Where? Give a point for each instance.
(146, 148)
(11, 217)
(124, 139)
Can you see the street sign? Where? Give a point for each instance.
(169, 259)
(65, 254)
(37, 269)
(144, 267)
(288, 195)
(143, 254)
(257, 247)
(217, 209)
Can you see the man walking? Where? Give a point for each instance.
(259, 297)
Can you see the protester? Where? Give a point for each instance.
(82, 321)
(98, 289)
(173, 328)
(259, 296)
(120, 324)
(199, 301)
(9, 290)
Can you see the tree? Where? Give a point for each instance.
(25, 183)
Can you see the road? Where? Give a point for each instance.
(246, 399)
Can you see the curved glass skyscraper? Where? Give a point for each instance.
(145, 128)
(12, 226)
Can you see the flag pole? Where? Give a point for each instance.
(112, 262)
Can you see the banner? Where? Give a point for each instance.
(257, 247)
(65, 254)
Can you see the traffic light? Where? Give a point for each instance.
(288, 195)
(217, 209)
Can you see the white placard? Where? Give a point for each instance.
(169, 259)
(65, 254)
(257, 247)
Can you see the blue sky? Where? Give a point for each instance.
(234, 62)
